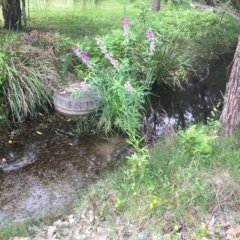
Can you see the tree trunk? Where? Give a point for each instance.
(156, 5)
(12, 14)
(230, 117)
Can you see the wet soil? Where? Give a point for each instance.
(65, 165)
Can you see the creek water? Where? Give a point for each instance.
(66, 163)
(194, 102)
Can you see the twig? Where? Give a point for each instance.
(223, 13)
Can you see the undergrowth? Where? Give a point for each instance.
(171, 188)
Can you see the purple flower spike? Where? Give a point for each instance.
(150, 37)
(106, 54)
(74, 49)
(83, 55)
(125, 26)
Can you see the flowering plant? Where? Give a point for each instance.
(121, 93)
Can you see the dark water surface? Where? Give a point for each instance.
(64, 166)
(194, 102)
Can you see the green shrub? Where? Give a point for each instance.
(194, 140)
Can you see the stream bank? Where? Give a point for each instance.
(65, 163)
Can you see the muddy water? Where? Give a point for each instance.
(65, 165)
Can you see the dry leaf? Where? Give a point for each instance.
(4, 159)
(35, 228)
(9, 141)
(40, 133)
(233, 232)
(21, 220)
(50, 231)
(70, 144)
(83, 215)
(91, 216)
(211, 223)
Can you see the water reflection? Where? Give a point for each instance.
(193, 103)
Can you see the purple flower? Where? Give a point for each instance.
(74, 49)
(83, 55)
(150, 37)
(106, 54)
(125, 26)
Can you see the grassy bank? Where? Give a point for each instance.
(193, 196)
(175, 193)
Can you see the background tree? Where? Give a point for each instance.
(11, 13)
(230, 117)
(156, 5)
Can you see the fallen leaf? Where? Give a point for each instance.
(233, 232)
(70, 144)
(21, 220)
(9, 141)
(35, 228)
(211, 223)
(50, 231)
(4, 159)
(91, 216)
(40, 133)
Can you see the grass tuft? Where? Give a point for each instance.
(29, 73)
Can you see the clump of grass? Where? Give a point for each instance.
(9, 230)
(28, 73)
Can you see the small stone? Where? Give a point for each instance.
(142, 235)
(71, 221)
(57, 223)
(100, 230)
(70, 216)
